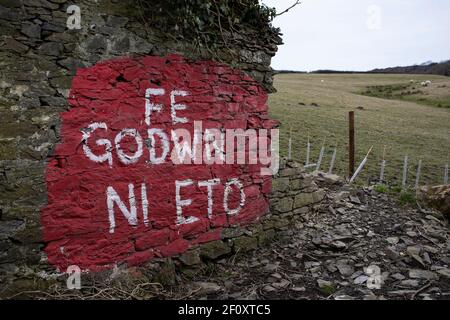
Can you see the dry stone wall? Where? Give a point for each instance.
(39, 58)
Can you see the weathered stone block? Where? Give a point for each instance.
(265, 237)
(11, 44)
(307, 182)
(437, 197)
(96, 44)
(301, 211)
(121, 44)
(280, 184)
(295, 184)
(281, 223)
(288, 172)
(319, 195)
(11, 3)
(214, 249)
(232, 232)
(244, 244)
(255, 229)
(191, 257)
(71, 64)
(31, 30)
(284, 205)
(51, 49)
(303, 199)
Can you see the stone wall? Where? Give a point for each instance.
(39, 57)
(295, 196)
(118, 193)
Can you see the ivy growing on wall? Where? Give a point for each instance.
(209, 22)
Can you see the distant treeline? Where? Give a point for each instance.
(288, 71)
(317, 71)
(441, 68)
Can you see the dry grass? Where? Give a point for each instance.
(405, 128)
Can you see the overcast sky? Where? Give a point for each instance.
(361, 34)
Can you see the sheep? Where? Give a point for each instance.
(425, 83)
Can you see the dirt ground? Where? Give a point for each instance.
(334, 254)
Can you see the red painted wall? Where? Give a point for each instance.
(76, 221)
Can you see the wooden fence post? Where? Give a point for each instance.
(351, 143)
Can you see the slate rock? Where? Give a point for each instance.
(208, 287)
(51, 49)
(31, 30)
(422, 274)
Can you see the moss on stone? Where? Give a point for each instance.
(245, 243)
(214, 249)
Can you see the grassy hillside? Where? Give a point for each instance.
(408, 124)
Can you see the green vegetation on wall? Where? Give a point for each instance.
(207, 22)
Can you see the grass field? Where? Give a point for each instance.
(390, 111)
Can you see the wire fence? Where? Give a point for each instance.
(407, 172)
